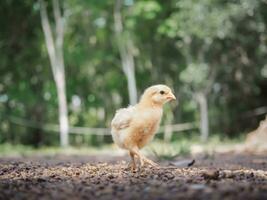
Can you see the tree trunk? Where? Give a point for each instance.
(168, 129)
(63, 113)
(204, 119)
(55, 52)
(130, 74)
(125, 49)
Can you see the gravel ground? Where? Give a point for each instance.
(221, 176)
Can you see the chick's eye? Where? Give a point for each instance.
(162, 92)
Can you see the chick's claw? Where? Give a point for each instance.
(151, 163)
(131, 166)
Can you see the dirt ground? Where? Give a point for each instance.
(220, 176)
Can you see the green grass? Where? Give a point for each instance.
(182, 146)
(23, 150)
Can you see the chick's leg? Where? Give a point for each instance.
(142, 158)
(132, 164)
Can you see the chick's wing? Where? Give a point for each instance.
(123, 118)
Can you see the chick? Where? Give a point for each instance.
(133, 127)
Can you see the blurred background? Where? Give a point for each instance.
(66, 66)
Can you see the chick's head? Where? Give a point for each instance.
(158, 94)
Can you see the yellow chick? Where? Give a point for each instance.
(133, 127)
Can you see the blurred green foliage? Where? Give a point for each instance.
(180, 43)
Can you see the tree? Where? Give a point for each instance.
(54, 46)
(125, 46)
(181, 43)
(199, 80)
(199, 26)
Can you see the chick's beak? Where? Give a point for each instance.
(171, 96)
